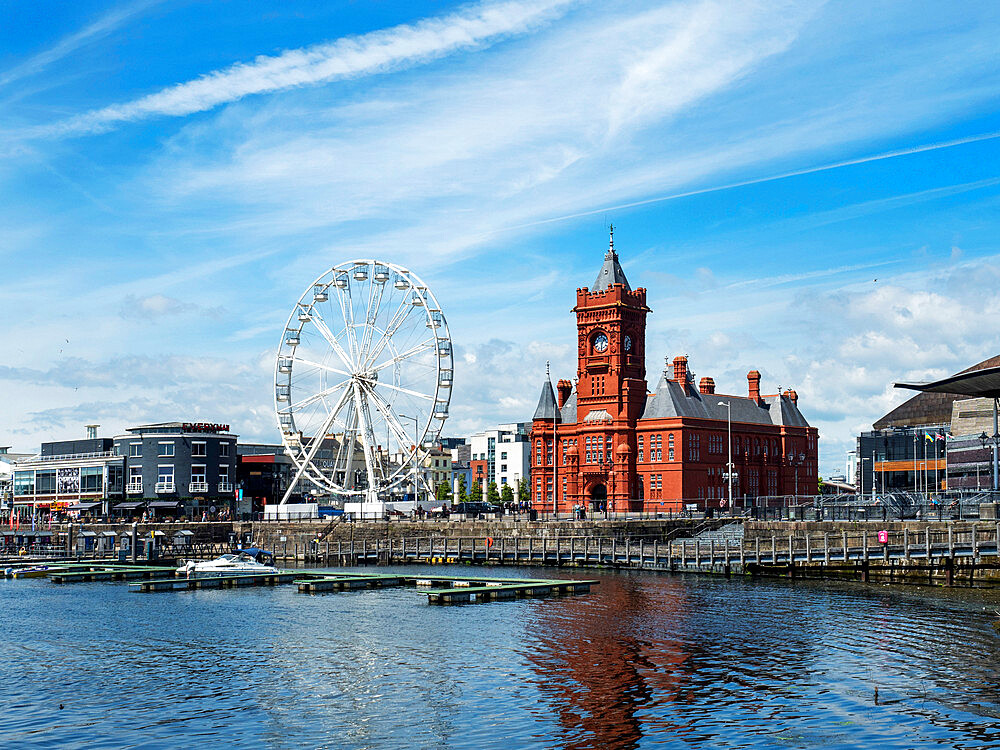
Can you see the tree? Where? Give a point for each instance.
(443, 493)
(476, 495)
(507, 495)
(462, 497)
(493, 494)
(523, 491)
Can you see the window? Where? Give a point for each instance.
(45, 482)
(538, 490)
(564, 489)
(165, 475)
(135, 475)
(135, 450)
(224, 473)
(639, 458)
(503, 480)
(91, 478)
(503, 455)
(223, 449)
(551, 452)
(115, 450)
(198, 474)
(24, 483)
(166, 449)
(503, 467)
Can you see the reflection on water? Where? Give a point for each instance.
(645, 660)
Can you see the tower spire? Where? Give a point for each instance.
(611, 240)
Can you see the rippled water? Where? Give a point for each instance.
(645, 660)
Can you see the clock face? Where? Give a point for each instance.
(628, 343)
(601, 343)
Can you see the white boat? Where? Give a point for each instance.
(241, 562)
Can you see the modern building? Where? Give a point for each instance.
(179, 467)
(902, 459)
(501, 455)
(70, 475)
(263, 473)
(7, 462)
(608, 440)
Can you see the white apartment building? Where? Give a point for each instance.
(501, 455)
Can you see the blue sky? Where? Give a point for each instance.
(807, 189)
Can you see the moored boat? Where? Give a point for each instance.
(242, 562)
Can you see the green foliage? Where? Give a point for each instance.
(443, 492)
(523, 491)
(493, 494)
(462, 496)
(476, 494)
(506, 494)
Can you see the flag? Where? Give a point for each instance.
(928, 436)
(939, 436)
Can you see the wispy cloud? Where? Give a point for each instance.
(89, 34)
(349, 57)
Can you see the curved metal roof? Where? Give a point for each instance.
(976, 384)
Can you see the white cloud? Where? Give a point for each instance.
(349, 57)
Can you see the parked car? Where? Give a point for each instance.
(475, 510)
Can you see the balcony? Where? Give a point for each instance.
(225, 487)
(133, 488)
(165, 488)
(196, 487)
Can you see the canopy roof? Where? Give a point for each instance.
(975, 384)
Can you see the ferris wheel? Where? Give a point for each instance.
(362, 380)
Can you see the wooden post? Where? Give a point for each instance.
(697, 553)
(808, 551)
(951, 542)
(756, 548)
(927, 544)
(844, 544)
(864, 545)
(906, 544)
(975, 543)
(743, 555)
(774, 549)
(826, 548)
(614, 551)
(790, 545)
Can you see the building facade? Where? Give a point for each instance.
(78, 475)
(188, 467)
(501, 455)
(607, 441)
(902, 459)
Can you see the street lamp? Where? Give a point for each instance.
(415, 429)
(730, 475)
(985, 439)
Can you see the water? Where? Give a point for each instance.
(646, 660)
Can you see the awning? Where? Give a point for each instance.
(128, 506)
(84, 506)
(977, 383)
(87, 534)
(108, 534)
(184, 532)
(164, 504)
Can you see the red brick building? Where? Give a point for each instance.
(619, 443)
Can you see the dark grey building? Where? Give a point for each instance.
(187, 467)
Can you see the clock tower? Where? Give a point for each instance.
(611, 339)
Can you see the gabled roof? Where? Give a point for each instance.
(547, 408)
(671, 400)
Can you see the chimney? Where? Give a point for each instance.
(706, 385)
(792, 396)
(681, 370)
(565, 388)
(92, 431)
(753, 382)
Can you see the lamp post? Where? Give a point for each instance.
(415, 429)
(730, 474)
(994, 442)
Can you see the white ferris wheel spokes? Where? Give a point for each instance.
(365, 347)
